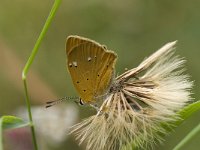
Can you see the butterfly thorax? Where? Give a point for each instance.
(115, 87)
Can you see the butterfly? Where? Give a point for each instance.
(91, 66)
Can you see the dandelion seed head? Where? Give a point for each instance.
(146, 97)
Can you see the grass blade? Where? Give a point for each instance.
(187, 138)
(30, 61)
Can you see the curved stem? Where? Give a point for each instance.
(30, 61)
(188, 137)
(40, 38)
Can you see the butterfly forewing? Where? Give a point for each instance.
(91, 67)
(74, 40)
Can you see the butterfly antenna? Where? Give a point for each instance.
(52, 103)
(55, 102)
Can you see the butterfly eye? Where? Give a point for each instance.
(81, 101)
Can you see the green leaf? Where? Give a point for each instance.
(10, 122)
(188, 111)
(184, 114)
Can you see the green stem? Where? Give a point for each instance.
(30, 115)
(30, 61)
(188, 137)
(1, 134)
(40, 38)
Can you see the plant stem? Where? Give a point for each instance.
(188, 137)
(30, 61)
(1, 134)
(40, 38)
(30, 115)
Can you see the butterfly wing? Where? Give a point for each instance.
(75, 40)
(91, 67)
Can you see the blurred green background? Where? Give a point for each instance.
(132, 28)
